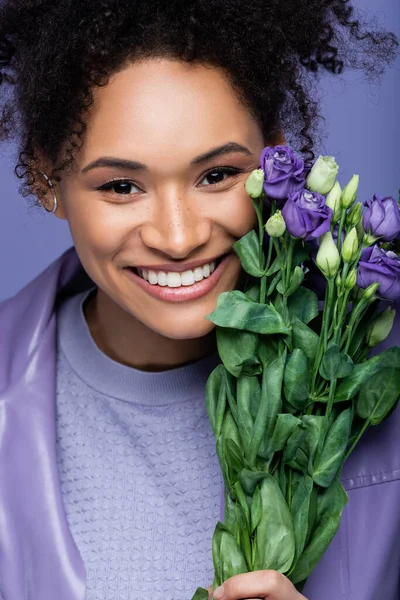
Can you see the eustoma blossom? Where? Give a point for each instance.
(307, 215)
(381, 218)
(284, 172)
(383, 267)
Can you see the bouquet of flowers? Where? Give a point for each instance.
(296, 388)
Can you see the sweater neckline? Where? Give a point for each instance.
(119, 381)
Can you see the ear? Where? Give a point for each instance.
(46, 189)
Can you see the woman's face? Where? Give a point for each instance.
(158, 193)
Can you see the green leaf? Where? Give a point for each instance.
(276, 265)
(270, 405)
(335, 364)
(293, 445)
(378, 396)
(247, 249)
(256, 510)
(236, 311)
(230, 386)
(233, 455)
(267, 350)
(334, 449)
(300, 512)
(284, 427)
(296, 280)
(295, 381)
(250, 480)
(220, 410)
(230, 516)
(216, 553)
(274, 541)
(226, 470)
(274, 283)
(315, 427)
(232, 559)
(362, 372)
(303, 304)
(238, 350)
(213, 386)
(304, 338)
(245, 419)
(253, 292)
(330, 504)
(200, 594)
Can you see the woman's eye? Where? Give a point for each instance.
(218, 176)
(120, 187)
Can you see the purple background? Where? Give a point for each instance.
(363, 129)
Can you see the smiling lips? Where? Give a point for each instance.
(173, 279)
(180, 286)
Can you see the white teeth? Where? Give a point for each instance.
(174, 279)
(206, 270)
(162, 279)
(153, 278)
(187, 278)
(198, 274)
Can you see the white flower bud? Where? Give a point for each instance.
(380, 327)
(255, 183)
(370, 291)
(275, 226)
(328, 257)
(333, 201)
(354, 216)
(349, 193)
(323, 174)
(351, 279)
(350, 246)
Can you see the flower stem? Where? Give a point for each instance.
(354, 444)
(323, 338)
(259, 211)
(340, 228)
(289, 258)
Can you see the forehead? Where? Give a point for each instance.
(167, 105)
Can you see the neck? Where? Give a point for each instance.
(116, 332)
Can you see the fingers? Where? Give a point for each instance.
(210, 592)
(267, 585)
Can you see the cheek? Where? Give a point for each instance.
(98, 228)
(238, 215)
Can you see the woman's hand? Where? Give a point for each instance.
(267, 585)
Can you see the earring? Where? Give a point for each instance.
(51, 186)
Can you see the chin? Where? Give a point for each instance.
(183, 330)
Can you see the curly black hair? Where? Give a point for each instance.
(53, 53)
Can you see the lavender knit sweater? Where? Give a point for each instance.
(139, 474)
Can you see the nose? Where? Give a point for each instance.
(177, 226)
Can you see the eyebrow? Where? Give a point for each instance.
(120, 163)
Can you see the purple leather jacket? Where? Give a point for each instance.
(38, 556)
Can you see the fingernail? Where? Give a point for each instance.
(219, 592)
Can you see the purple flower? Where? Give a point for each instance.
(381, 218)
(383, 267)
(284, 172)
(306, 215)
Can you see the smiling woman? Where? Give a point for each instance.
(139, 123)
